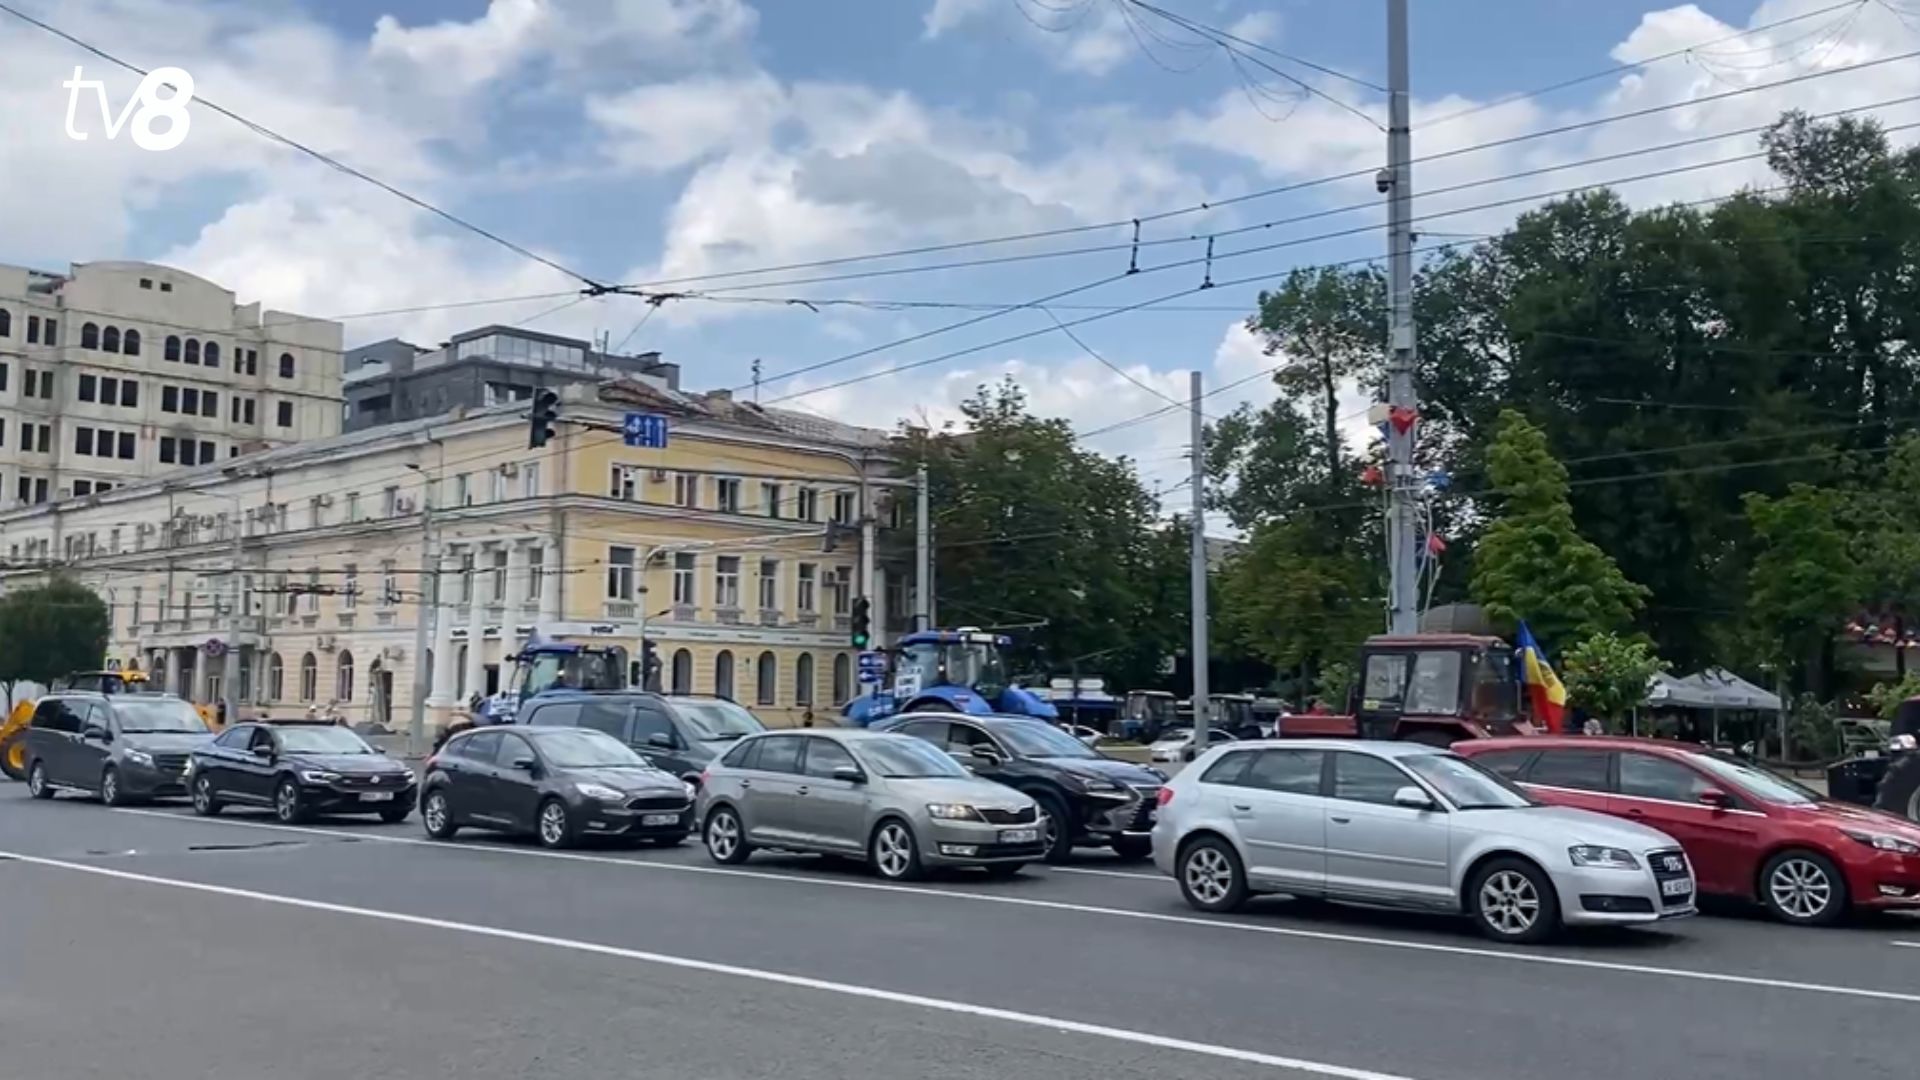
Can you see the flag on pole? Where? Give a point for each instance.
(1544, 692)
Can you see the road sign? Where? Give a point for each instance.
(646, 430)
(873, 660)
(869, 677)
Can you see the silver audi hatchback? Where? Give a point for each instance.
(896, 801)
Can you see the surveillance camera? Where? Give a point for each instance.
(1383, 181)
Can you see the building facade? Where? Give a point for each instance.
(122, 370)
(393, 381)
(717, 548)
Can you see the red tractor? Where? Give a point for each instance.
(1428, 688)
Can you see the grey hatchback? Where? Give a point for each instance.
(895, 800)
(121, 747)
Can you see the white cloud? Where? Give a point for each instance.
(1260, 26)
(668, 125)
(1092, 39)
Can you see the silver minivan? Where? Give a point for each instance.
(893, 800)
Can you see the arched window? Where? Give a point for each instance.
(842, 679)
(803, 680)
(171, 350)
(309, 678)
(682, 682)
(213, 354)
(276, 678)
(89, 336)
(343, 678)
(6, 323)
(766, 678)
(110, 339)
(193, 350)
(130, 344)
(723, 675)
(286, 365)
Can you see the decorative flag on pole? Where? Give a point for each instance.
(1544, 692)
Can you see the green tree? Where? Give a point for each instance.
(1330, 326)
(1292, 602)
(1607, 674)
(49, 630)
(1531, 562)
(1805, 579)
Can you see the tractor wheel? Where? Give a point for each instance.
(1900, 787)
(13, 755)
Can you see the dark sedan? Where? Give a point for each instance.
(560, 784)
(299, 769)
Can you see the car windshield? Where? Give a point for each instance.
(1033, 739)
(1759, 783)
(322, 740)
(1465, 784)
(714, 718)
(903, 757)
(584, 748)
(158, 716)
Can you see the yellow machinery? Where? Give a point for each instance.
(13, 748)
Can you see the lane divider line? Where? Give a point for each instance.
(1439, 948)
(872, 993)
(1108, 873)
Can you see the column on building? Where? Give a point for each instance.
(477, 624)
(514, 603)
(173, 673)
(440, 694)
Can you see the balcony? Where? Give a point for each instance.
(808, 620)
(729, 616)
(769, 617)
(684, 613)
(620, 609)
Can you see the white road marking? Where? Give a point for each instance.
(1086, 909)
(1077, 1027)
(1908, 944)
(1108, 873)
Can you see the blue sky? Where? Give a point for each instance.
(635, 140)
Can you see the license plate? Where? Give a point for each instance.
(376, 796)
(1019, 836)
(1676, 887)
(659, 819)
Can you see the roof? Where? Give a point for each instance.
(1376, 747)
(1581, 742)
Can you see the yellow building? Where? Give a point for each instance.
(737, 550)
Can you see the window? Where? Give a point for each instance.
(313, 591)
(766, 678)
(390, 502)
(88, 390)
(769, 585)
(498, 585)
(89, 336)
(1644, 776)
(1386, 681)
(805, 599)
(803, 680)
(309, 677)
(1231, 769)
(685, 490)
(649, 722)
(189, 400)
(621, 484)
(824, 757)
(1508, 763)
(146, 283)
(193, 351)
(52, 336)
(723, 674)
(171, 350)
(6, 323)
(1582, 770)
(842, 678)
(620, 573)
(110, 340)
(483, 747)
(726, 495)
(248, 413)
(779, 753)
(606, 716)
(536, 572)
(213, 354)
(840, 590)
(209, 404)
(389, 584)
(109, 390)
(726, 581)
(169, 399)
(42, 439)
(128, 448)
(499, 492)
(353, 507)
(253, 361)
(33, 329)
(283, 414)
(462, 489)
(1295, 772)
(83, 441)
(3, 377)
(343, 677)
(350, 591)
(843, 507)
(286, 365)
(806, 504)
(1367, 779)
(166, 450)
(561, 714)
(130, 345)
(682, 672)
(770, 499)
(683, 586)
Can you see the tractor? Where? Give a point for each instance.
(541, 666)
(960, 670)
(1435, 689)
(1888, 780)
(1147, 713)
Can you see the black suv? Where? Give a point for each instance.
(1085, 797)
(677, 733)
(120, 747)
(299, 768)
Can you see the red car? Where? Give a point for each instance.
(1749, 833)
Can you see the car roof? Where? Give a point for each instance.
(842, 734)
(1376, 747)
(1582, 742)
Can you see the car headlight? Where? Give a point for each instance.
(318, 776)
(1596, 857)
(692, 792)
(140, 757)
(1883, 842)
(954, 811)
(599, 791)
(1903, 742)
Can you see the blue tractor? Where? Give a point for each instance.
(949, 671)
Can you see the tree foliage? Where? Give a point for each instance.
(1607, 674)
(1805, 579)
(50, 630)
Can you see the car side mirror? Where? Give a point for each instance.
(262, 752)
(660, 739)
(525, 764)
(1412, 798)
(983, 752)
(95, 731)
(849, 774)
(1716, 798)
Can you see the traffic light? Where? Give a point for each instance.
(546, 411)
(862, 622)
(649, 666)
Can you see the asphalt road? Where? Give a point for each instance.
(151, 943)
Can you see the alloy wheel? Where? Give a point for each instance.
(202, 795)
(1800, 888)
(110, 787)
(893, 850)
(286, 802)
(435, 812)
(553, 824)
(1509, 903)
(37, 781)
(1208, 875)
(1049, 827)
(723, 836)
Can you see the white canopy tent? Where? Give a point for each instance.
(1712, 690)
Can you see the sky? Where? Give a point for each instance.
(646, 142)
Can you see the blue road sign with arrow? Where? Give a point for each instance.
(645, 430)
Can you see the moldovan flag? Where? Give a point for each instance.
(1548, 697)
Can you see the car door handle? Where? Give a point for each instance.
(746, 783)
(1242, 807)
(1634, 811)
(800, 791)
(1339, 820)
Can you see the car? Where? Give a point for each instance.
(680, 733)
(1751, 835)
(300, 769)
(559, 784)
(892, 800)
(1403, 824)
(1085, 797)
(1176, 745)
(123, 748)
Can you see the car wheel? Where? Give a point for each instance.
(1211, 876)
(37, 785)
(287, 804)
(1056, 828)
(893, 852)
(1133, 848)
(1002, 871)
(555, 827)
(110, 791)
(726, 839)
(204, 803)
(1804, 888)
(1513, 901)
(437, 817)
(395, 814)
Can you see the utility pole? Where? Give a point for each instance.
(230, 659)
(429, 611)
(868, 563)
(1403, 607)
(1201, 700)
(922, 554)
